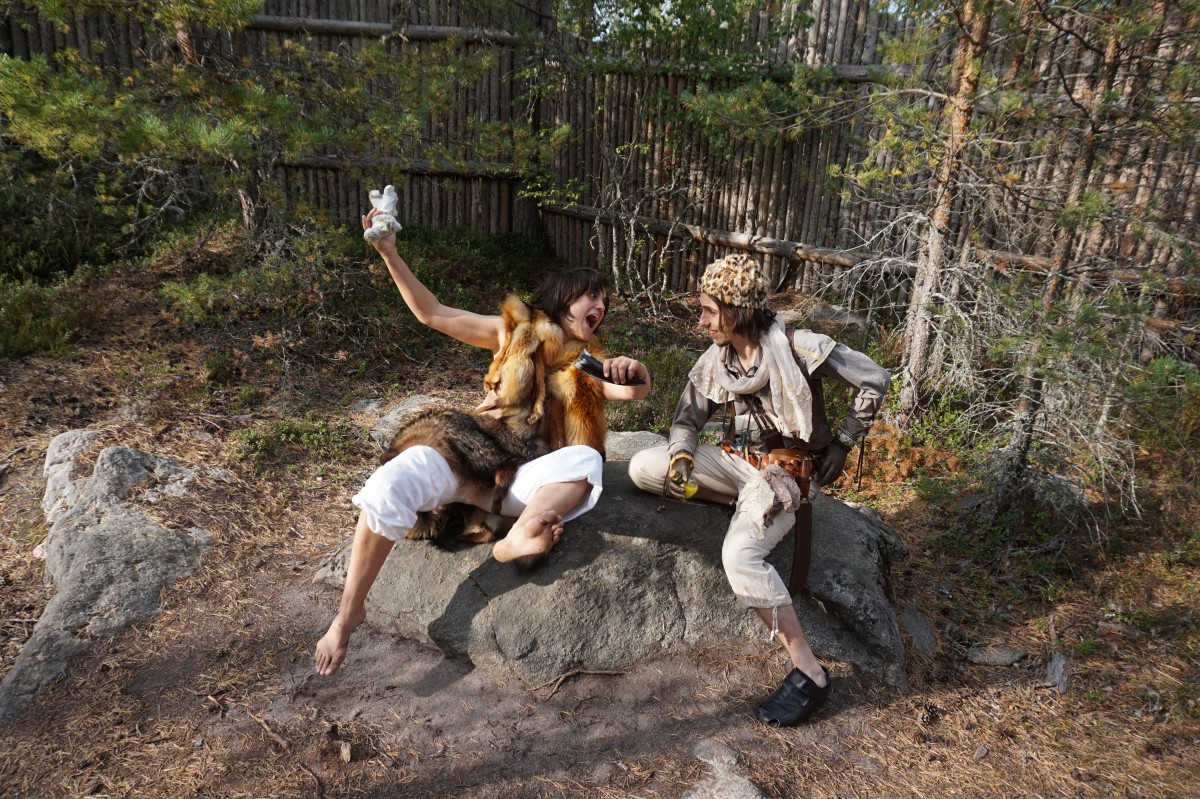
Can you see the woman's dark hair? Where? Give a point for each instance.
(558, 291)
(753, 323)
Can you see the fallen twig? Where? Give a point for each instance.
(560, 679)
(316, 779)
(9, 455)
(1118, 628)
(274, 736)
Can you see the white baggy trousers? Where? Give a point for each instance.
(755, 583)
(419, 479)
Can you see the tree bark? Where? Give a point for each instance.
(967, 66)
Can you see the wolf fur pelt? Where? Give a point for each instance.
(537, 402)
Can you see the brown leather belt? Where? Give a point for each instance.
(799, 464)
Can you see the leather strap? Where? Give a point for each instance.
(802, 552)
(802, 543)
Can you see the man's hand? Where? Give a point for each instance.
(832, 464)
(679, 475)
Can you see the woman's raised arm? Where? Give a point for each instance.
(478, 330)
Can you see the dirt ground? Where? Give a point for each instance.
(216, 696)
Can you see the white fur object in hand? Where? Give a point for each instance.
(385, 221)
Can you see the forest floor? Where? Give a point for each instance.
(216, 696)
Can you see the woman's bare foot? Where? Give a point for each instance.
(331, 649)
(530, 538)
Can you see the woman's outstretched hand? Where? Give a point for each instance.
(623, 370)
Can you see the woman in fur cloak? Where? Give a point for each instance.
(532, 449)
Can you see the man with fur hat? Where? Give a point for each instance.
(532, 450)
(778, 449)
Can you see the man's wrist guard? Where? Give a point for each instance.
(681, 456)
(843, 439)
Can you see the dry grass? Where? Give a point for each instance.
(199, 701)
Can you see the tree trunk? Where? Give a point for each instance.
(968, 57)
(1029, 405)
(249, 195)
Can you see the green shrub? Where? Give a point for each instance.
(313, 292)
(51, 221)
(45, 318)
(290, 439)
(465, 269)
(1166, 400)
(280, 274)
(669, 361)
(669, 369)
(308, 269)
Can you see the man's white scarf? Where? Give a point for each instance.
(791, 398)
(765, 493)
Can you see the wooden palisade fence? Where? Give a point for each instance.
(477, 194)
(661, 211)
(819, 233)
(772, 198)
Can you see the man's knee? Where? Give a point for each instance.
(648, 467)
(738, 556)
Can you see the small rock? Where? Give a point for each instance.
(715, 754)
(969, 502)
(727, 781)
(222, 475)
(923, 637)
(956, 634)
(981, 753)
(994, 655)
(623, 446)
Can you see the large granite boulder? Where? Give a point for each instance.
(106, 558)
(636, 575)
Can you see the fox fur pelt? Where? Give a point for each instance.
(535, 386)
(537, 402)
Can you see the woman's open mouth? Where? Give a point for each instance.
(592, 320)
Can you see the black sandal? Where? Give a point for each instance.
(797, 699)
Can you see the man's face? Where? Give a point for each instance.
(710, 320)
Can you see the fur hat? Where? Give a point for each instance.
(736, 280)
